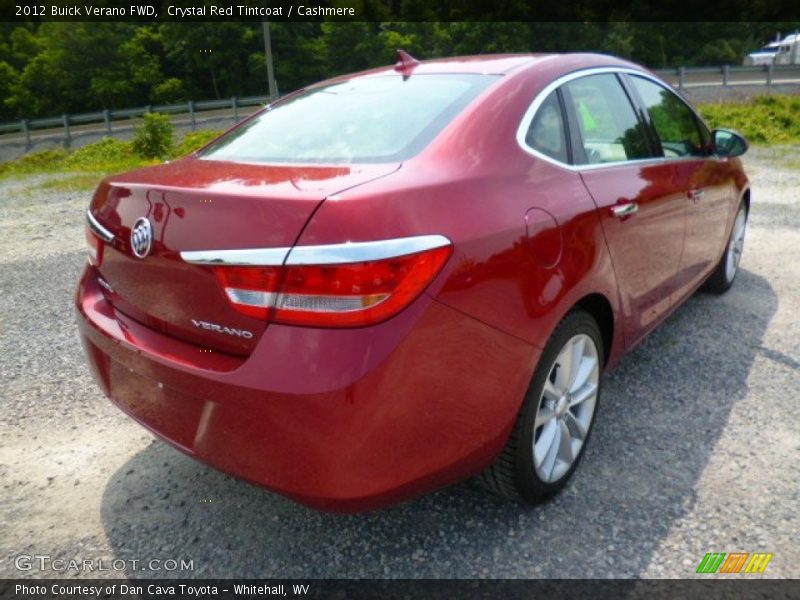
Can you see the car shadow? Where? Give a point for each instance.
(664, 408)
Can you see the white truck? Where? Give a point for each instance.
(780, 52)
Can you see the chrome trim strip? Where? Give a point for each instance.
(262, 257)
(326, 254)
(350, 252)
(101, 232)
(542, 96)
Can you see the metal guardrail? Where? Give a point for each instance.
(108, 117)
(682, 77)
(727, 75)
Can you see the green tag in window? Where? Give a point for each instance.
(586, 117)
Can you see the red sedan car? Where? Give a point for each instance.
(395, 280)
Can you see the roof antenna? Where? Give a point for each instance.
(405, 63)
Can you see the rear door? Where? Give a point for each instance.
(705, 181)
(639, 202)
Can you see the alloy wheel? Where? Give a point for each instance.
(566, 407)
(736, 245)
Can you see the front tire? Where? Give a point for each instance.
(722, 278)
(556, 418)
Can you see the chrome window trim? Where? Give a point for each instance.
(101, 232)
(325, 254)
(527, 118)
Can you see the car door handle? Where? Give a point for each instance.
(624, 210)
(696, 195)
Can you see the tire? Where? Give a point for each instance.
(724, 274)
(532, 473)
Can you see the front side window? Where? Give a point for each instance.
(371, 119)
(546, 133)
(609, 128)
(675, 123)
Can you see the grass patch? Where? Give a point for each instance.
(76, 182)
(101, 158)
(194, 141)
(92, 162)
(765, 120)
(792, 164)
(35, 162)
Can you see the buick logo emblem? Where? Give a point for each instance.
(141, 237)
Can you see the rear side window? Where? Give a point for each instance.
(546, 133)
(610, 131)
(373, 119)
(675, 123)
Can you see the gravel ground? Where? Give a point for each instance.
(695, 449)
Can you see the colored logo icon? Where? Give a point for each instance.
(735, 562)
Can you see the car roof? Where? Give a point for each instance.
(495, 64)
(498, 64)
(488, 64)
(491, 64)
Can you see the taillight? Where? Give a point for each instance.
(251, 290)
(320, 286)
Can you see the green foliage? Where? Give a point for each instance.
(104, 154)
(107, 155)
(212, 58)
(76, 182)
(153, 138)
(25, 45)
(194, 141)
(169, 91)
(51, 68)
(719, 52)
(33, 162)
(8, 79)
(764, 120)
(619, 40)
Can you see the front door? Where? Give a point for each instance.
(640, 204)
(705, 181)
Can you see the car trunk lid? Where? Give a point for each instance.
(193, 205)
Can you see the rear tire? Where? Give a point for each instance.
(556, 418)
(722, 278)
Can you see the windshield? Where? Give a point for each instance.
(372, 119)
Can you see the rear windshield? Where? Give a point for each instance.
(374, 119)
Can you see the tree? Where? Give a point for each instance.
(619, 40)
(50, 68)
(213, 58)
(8, 79)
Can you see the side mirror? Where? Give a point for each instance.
(728, 143)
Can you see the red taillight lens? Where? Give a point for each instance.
(355, 293)
(332, 295)
(95, 248)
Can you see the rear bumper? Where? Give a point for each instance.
(342, 420)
